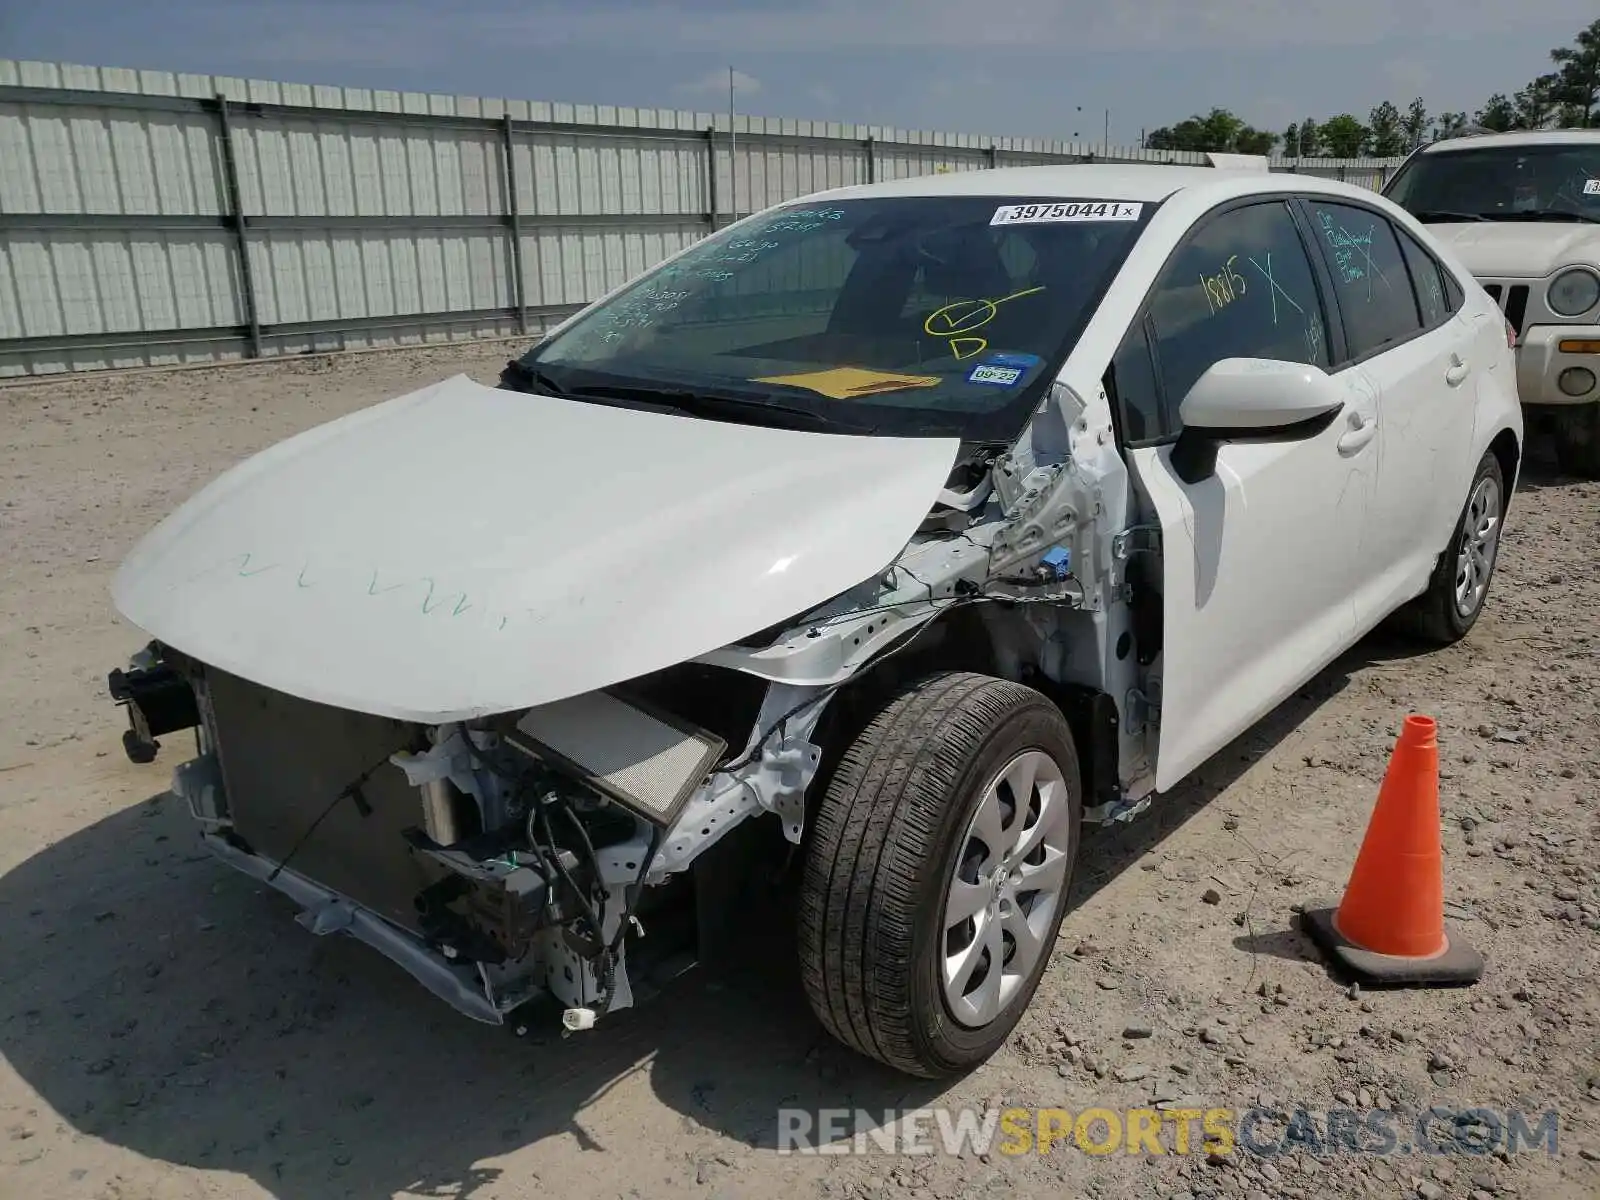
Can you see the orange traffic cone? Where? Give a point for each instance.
(1389, 928)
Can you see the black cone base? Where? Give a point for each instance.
(1460, 964)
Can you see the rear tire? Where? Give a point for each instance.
(902, 892)
(1577, 437)
(1459, 588)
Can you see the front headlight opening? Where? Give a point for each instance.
(1574, 292)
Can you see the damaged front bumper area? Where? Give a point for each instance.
(499, 862)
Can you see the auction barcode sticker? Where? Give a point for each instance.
(1075, 210)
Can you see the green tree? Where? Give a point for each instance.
(1310, 138)
(1576, 88)
(1222, 129)
(1219, 130)
(1255, 141)
(1344, 136)
(1499, 113)
(1416, 123)
(1535, 107)
(1567, 96)
(1216, 131)
(1386, 134)
(1167, 137)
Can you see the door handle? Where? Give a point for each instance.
(1362, 430)
(1457, 371)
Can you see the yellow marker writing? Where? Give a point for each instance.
(1225, 287)
(955, 321)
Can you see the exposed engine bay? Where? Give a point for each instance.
(495, 860)
(523, 856)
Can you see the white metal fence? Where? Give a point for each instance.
(150, 218)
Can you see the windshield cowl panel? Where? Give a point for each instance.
(902, 316)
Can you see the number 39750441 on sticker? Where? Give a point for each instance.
(1071, 210)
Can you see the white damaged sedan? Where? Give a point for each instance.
(902, 530)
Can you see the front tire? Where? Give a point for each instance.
(1577, 437)
(938, 874)
(1459, 588)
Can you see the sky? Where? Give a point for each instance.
(1046, 68)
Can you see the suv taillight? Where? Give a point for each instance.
(1511, 335)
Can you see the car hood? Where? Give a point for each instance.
(1510, 250)
(465, 550)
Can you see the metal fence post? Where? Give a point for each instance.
(872, 159)
(992, 152)
(519, 292)
(239, 222)
(711, 173)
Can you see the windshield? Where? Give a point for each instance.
(909, 316)
(1552, 181)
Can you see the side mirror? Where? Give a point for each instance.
(1254, 398)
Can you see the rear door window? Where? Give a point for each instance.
(1370, 279)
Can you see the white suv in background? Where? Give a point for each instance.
(1523, 212)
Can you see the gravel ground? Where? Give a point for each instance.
(167, 1031)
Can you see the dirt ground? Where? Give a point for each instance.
(167, 1031)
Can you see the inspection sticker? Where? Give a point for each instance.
(1025, 361)
(1075, 210)
(995, 374)
(1591, 187)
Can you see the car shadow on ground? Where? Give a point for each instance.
(158, 1001)
(1540, 469)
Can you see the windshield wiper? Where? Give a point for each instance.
(521, 373)
(718, 405)
(1546, 214)
(1434, 215)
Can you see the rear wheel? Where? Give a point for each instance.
(1577, 435)
(938, 873)
(1456, 594)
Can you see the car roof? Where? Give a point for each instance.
(1148, 182)
(1520, 137)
